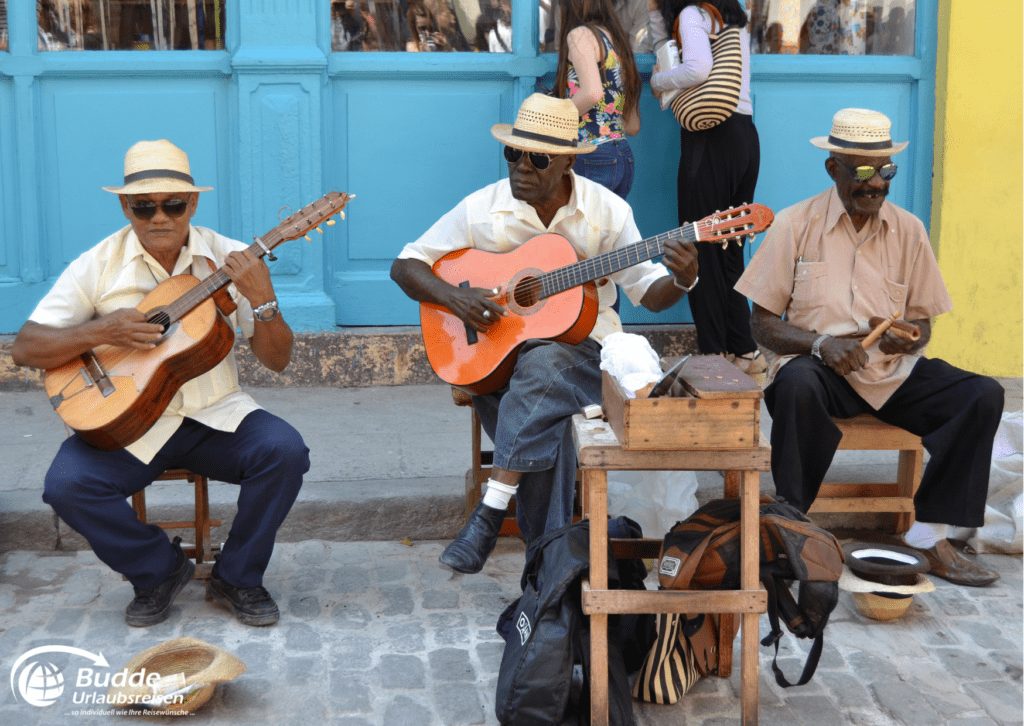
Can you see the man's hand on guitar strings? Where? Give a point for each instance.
(475, 306)
(681, 260)
(127, 328)
(251, 277)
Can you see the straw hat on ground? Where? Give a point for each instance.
(883, 578)
(860, 132)
(546, 125)
(188, 667)
(156, 167)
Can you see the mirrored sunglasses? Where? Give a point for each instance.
(540, 161)
(865, 173)
(173, 208)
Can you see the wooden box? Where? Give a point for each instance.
(720, 409)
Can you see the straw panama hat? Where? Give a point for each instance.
(860, 132)
(891, 587)
(156, 167)
(187, 666)
(546, 125)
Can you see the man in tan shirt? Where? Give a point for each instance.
(829, 270)
(210, 426)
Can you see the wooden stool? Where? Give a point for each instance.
(867, 433)
(203, 550)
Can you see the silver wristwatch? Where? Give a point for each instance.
(266, 312)
(816, 346)
(685, 289)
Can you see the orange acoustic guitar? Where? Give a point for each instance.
(111, 395)
(549, 294)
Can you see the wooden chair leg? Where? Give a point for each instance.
(726, 636)
(908, 479)
(732, 484)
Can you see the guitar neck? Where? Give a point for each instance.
(208, 286)
(584, 271)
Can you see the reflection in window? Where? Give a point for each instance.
(422, 26)
(130, 24)
(3, 24)
(832, 27)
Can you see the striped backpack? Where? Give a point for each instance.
(708, 104)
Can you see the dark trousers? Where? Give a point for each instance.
(266, 457)
(956, 414)
(718, 169)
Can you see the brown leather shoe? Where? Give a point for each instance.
(948, 564)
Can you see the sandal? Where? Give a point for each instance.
(752, 363)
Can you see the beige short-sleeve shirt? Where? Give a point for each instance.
(595, 220)
(818, 272)
(118, 273)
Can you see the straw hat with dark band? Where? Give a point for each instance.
(546, 125)
(860, 132)
(156, 167)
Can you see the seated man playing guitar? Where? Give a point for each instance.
(209, 426)
(528, 418)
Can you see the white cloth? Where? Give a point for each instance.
(118, 273)
(595, 220)
(1003, 530)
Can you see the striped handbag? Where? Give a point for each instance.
(708, 104)
(670, 669)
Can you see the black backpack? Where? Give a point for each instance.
(544, 674)
(703, 551)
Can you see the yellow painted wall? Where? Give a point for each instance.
(977, 219)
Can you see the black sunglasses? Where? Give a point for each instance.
(173, 208)
(540, 161)
(865, 173)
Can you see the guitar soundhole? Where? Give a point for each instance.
(160, 318)
(527, 292)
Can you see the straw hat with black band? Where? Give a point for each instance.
(156, 167)
(860, 132)
(546, 125)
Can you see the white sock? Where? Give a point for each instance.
(925, 534)
(498, 495)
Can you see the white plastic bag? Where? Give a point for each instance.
(631, 360)
(1004, 509)
(655, 500)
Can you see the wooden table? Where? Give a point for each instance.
(598, 451)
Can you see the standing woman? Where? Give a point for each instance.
(597, 72)
(717, 170)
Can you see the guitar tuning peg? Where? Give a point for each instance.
(739, 241)
(306, 236)
(331, 223)
(725, 244)
(342, 214)
(319, 230)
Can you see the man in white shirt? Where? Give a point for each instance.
(209, 427)
(528, 419)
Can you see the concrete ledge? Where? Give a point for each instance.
(350, 358)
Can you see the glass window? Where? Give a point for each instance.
(130, 24)
(632, 14)
(832, 27)
(422, 26)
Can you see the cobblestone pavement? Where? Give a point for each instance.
(378, 634)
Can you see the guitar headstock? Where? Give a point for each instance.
(734, 224)
(306, 219)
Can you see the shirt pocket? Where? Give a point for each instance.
(809, 282)
(897, 294)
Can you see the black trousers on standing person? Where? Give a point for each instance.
(717, 170)
(956, 413)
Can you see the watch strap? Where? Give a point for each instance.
(816, 346)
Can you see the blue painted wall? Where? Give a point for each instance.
(276, 119)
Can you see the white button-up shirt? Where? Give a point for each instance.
(118, 273)
(595, 220)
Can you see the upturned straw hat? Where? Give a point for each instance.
(860, 132)
(544, 124)
(156, 167)
(187, 667)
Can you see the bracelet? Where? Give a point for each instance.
(816, 346)
(685, 289)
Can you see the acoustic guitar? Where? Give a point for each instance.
(549, 293)
(111, 396)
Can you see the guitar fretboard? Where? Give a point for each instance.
(584, 271)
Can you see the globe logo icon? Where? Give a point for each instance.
(41, 683)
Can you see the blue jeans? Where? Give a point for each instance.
(265, 456)
(610, 165)
(528, 421)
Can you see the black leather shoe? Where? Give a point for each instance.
(153, 605)
(251, 605)
(470, 550)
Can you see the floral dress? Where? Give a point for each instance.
(604, 121)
